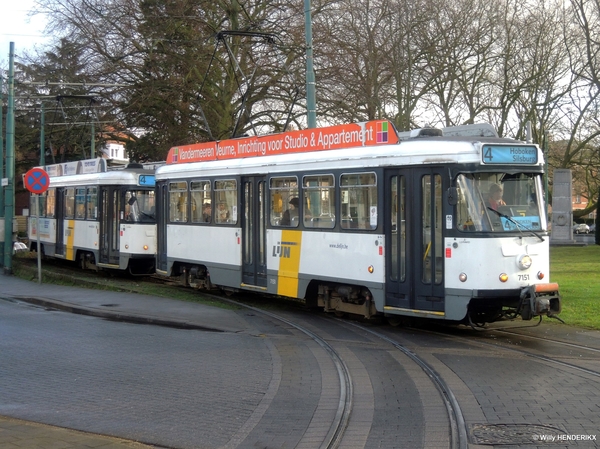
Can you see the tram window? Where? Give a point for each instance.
(319, 199)
(50, 203)
(42, 205)
(359, 201)
(285, 205)
(397, 206)
(69, 203)
(226, 199)
(431, 219)
(139, 206)
(518, 209)
(80, 203)
(178, 202)
(201, 201)
(92, 203)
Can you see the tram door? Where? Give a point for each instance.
(110, 205)
(60, 222)
(254, 254)
(414, 232)
(161, 236)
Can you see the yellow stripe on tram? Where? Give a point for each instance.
(289, 263)
(70, 233)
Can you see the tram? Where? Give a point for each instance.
(102, 218)
(363, 219)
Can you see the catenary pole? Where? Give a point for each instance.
(9, 191)
(311, 96)
(1, 167)
(42, 138)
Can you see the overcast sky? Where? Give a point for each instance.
(16, 26)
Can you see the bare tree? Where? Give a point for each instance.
(188, 70)
(192, 70)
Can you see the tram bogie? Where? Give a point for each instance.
(340, 298)
(363, 220)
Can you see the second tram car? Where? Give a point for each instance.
(446, 224)
(98, 217)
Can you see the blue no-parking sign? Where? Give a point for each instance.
(36, 180)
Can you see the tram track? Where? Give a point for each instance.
(512, 347)
(557, 342)
(458, 438)
(458, 428)
(344, 408)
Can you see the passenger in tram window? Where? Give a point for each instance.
(222, 213)
(495, 197)
(291, 214)
(206, 212)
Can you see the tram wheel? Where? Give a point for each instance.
(82, 264)
(395, 321)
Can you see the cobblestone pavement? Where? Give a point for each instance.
(18, 434)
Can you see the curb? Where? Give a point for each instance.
(112, 316)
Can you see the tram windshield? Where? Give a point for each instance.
(139, 206)
(500, 202)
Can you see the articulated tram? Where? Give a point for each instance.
(362, 219)
(101, 218)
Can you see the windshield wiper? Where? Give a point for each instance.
(517, 224)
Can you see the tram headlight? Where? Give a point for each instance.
(503, 277)
(524, 261)
(462, 277)
(371, 269)
(145, 247)
(126, 246)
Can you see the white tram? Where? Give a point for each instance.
(100, 218)
(361, 219)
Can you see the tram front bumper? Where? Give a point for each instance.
(540, 299)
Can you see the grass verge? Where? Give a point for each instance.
(64, 273)
(576, 269)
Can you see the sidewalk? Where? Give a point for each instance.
(121, 306)
(131, 307)
(15, 433)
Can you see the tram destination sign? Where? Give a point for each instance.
(510, 154)
(147, 180)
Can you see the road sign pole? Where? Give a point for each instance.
(37, 233)
(37, 182)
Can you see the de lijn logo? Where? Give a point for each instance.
(283, 249)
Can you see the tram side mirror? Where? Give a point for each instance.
(452, 196)
(132, 200)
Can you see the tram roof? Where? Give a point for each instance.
(453, 149)
(113, 177)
